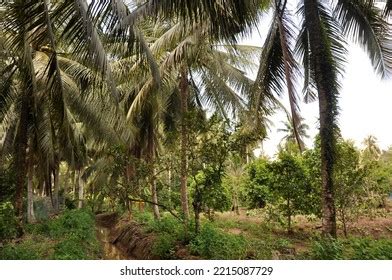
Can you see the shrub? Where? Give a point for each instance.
(70, 236)
(30, 249)
(212, 243)
(352, 249)
(78, 223)
(7, 221)
(327, 249)
(144, 218)
(70, 249)
(368, 249)
(164, 246)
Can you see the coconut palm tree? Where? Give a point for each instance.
(321, 49)
(290, 135)
(371, 148)
(323, 55)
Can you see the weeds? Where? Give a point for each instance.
(71, 236)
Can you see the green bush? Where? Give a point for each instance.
(168, 224)
(164, 246)
(78, 223)
(144, 218)
(212, 243)
(30, 249)
(369, 249)
(7, 221)
(358, 248)
(169, 232)
(327, 249)
(70, 236)
(70, 249)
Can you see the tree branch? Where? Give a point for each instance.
(160, 205)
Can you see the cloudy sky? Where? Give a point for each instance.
(365, 103)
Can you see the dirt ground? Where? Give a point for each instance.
(378, 225)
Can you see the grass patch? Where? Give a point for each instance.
(70, 236)
(213, 243)
(355, 248)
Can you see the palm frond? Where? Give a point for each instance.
(363, 22)
(227, 19)
(80, 30)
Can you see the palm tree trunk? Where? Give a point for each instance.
(325, 81)
(169, 187)
(184, 89)
(30, 198)
(151, 159)
(74, 183)
(21, 139)
(56, 187)
(154, 196)
(66, 183)
(236, 208)
(20, 161)
(80, 188)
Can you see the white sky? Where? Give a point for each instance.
(365, 104)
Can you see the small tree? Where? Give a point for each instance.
(289, 186)
(348, 181)
(208, 157)
(283, 182)
(257, 184)
(348, 178)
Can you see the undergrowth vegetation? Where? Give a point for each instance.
(233, 239)
(69, 236)
(351, 249)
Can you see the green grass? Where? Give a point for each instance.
(354, 248)
(214, 241)
(71, 236)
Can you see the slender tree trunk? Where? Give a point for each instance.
(289, 229)
(344, 222)
(184, 91)
(169, 187)
(66, 184)
(20, 161)
(80, 189)
(30, 197)
(151, 159)
(325, 79)
(247, 154)
(56, 187)
(197, 210)
(74, 184)
(154, 196)
(235, 204)
(49, 186)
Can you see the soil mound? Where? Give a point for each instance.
(130, 238)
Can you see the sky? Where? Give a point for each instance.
(365, 104)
